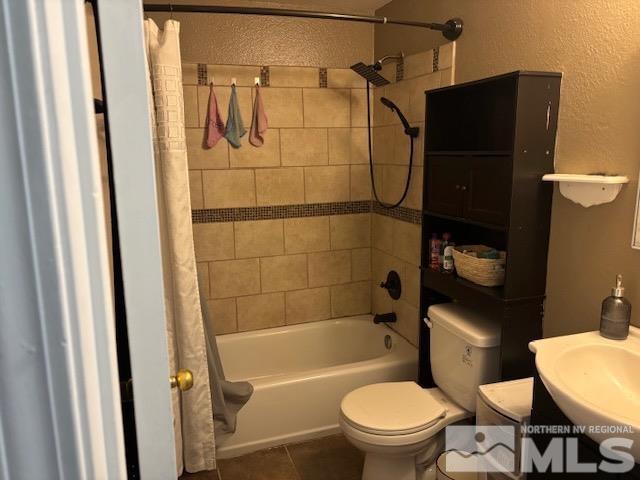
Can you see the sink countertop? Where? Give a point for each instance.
(595, 381)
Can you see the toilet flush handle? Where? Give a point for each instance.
(428, 322)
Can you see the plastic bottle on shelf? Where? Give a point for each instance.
(446, 238)
(434, 252)
(447, 263)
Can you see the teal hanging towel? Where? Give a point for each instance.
(234, 130)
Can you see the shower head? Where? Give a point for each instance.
(408, 129)
(370, 74)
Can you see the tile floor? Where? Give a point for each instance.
(328, 458)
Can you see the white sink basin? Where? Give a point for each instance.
(595, 382)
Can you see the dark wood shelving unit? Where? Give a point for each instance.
(488, 143)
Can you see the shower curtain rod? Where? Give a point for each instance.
(451, 29)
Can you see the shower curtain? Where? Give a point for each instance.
(192, 410)
(209, 408)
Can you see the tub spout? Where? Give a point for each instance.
(385, 317)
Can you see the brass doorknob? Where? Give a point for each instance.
(182, 380)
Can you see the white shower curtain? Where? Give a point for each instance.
(193, 417)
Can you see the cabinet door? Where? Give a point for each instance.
(488, 189)
(446, 176)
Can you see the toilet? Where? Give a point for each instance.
(400, 426)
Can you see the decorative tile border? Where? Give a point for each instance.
(436, 58)
(203, 78)
(400, 70)
(323, 81)
(409, 215)
(243, 214)
(264, 76)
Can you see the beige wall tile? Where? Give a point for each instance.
(394, 181)
(222, 315)
(268, 155)
(358, 108)
(213, 241)
(382, 232)
(329, 268)
(203, 278)
(417, 98)
(408, 321)
(189, 73)
(283, 106)
(228, 188)
(401, 146)
(303, 235)
(191, 118)
(411, 285)
(360, 182)
(381, 114)
(222, 75)
(223, 95)
(383, 144)
(418, 64)
(446, 55)
(205, 158)
(350, 231)
(326, 184)
(360, 264)
(350, 299)
(344, 78)
(259, 238)
(447, 77)
(294, 76)
(195, 189)
(304, 146)
(381, 302)
(348, 146)
(406, 241)
(326, 107)
(233, 278)
(308, 305)
(280, 186)
(260, 311)
(287, 272)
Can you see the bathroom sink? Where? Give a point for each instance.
(595, 382)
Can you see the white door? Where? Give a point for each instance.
(125, 81)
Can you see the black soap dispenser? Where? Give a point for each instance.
(616, 313)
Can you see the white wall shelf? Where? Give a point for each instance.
(588, 190)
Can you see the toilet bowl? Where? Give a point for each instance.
(400, 426)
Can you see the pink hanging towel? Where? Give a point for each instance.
(259, 122)
(215, 126)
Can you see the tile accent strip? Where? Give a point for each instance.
(323, 82)
(264, 76)
(400, 70)
(409, 215)
(436, 55)
(242, 214)
(203, 78)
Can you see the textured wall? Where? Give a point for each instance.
(254, 40)
(596, 44)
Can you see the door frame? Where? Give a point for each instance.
(60, 414)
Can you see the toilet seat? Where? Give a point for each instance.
(391, 409)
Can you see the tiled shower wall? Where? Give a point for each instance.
(396, 234)
(286, 233)
(282, 232)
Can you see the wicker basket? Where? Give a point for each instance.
(483, 271)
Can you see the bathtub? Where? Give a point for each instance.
(300, 374)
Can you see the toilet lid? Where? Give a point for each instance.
(391, 408)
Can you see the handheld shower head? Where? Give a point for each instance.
(408, 129)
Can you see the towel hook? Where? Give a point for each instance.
(233, 81)
(170, 11)
(256, 81)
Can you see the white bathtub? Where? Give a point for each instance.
(300, 374)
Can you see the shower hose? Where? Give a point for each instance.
(373, 181)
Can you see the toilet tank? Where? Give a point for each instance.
(465, 351)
